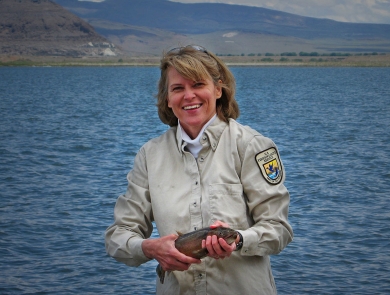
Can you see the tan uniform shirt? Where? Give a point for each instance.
(237, 178)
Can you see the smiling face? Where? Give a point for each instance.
(192, 102)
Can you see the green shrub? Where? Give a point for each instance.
(288, 54)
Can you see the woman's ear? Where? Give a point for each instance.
(218, 89)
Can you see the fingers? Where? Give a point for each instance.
(164, 251)
(187, 259)
(173, 264)
(226, 247)
(180, 261)
(177, 261)
(218, 248)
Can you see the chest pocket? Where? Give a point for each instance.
(227, 203)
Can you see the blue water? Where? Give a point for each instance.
(68, 137)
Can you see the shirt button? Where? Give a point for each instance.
(201, 159)
(196, 183)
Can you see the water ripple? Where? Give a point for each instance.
(68, 137)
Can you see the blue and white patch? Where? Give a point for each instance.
(270, 165)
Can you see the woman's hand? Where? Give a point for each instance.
(217, 247)
(164, 251)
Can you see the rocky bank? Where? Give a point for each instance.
(44, 28)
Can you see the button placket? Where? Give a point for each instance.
(200, 278)
(194, 205)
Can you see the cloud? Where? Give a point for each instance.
(362, 11)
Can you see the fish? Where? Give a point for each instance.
(190, 243)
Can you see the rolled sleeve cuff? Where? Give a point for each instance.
(250, 246)
(135, 247)
(249, 238)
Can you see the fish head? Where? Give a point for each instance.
(228, 234)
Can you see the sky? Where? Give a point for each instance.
(357, 11)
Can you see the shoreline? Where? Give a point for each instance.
(382, 60)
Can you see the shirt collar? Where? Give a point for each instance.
(195, 141)
(213, 132)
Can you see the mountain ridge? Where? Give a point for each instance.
(147, 27)
(249, 29)
(203, 18)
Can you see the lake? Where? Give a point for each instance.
(68, 137)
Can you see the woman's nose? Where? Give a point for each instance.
(188, 93)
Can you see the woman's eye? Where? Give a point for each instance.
(198, 84)
(177, 88)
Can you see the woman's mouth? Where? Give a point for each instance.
(196, 106)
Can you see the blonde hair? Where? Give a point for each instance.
(196, 63)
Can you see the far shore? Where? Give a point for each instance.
(377, 60)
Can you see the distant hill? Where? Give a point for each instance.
(73, 28)
(147, 26)
(42, 27)
(204, 18)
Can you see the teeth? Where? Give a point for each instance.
(192, 107)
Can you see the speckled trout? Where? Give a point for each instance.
(190, 243)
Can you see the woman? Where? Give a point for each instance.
(207, 169)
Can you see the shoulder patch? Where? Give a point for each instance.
(270, 165)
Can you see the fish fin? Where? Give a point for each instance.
(161, 273)
(179, 233)
(162, 278)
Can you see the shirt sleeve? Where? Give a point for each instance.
(132, 218)
(267, 199)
